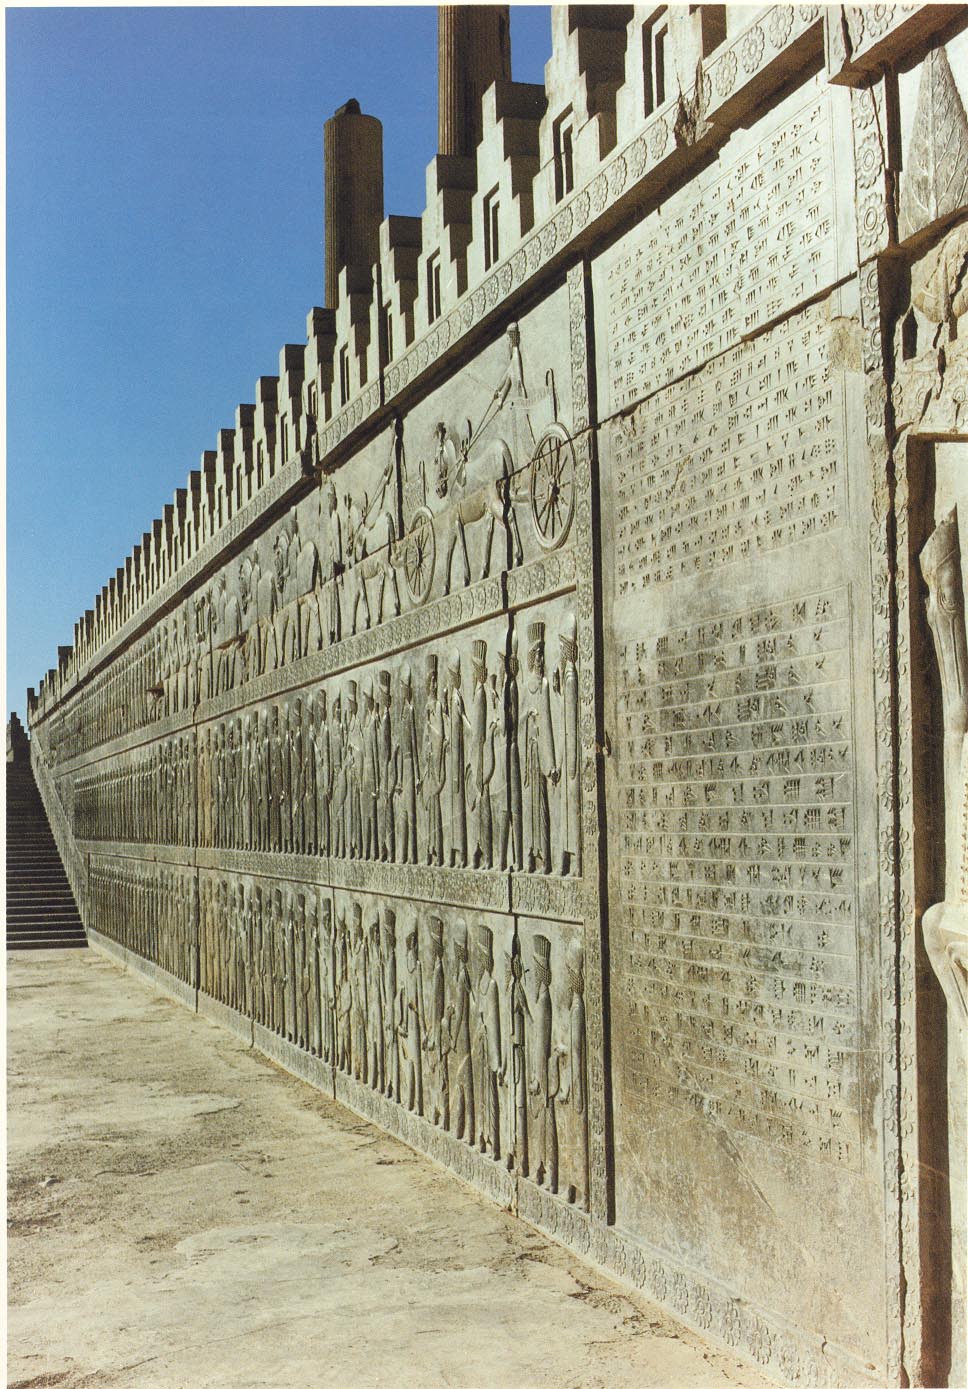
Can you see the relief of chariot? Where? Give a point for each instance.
(476, 477)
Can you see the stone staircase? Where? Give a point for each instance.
(41, 912)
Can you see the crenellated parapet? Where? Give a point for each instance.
(516, 164)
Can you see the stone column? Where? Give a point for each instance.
(353, 160)
(473, 50)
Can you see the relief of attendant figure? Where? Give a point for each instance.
(302, 975)
(409, 783)
(375, 1030)
(267, 601)
(251, 576)
(289, 1030)
(483, 734)
(279, 968)
(285, 788)
(370, 773)
(390, 1001)
(541, 768)
(436, 1041)
(353, 758)
(337, 748)
(575, 1092)
(308, 584)
(326, 969)
(323, 775)
(297, 776)
(515, 1068)
(545, 1073)
(277, 751)
(286, 616)
(335, 563)
(388, 756)
(459, 1030)
(489, 1046)
(310, 789)
(411, 1018)
(257, 986)
(458, 726)
(357, 978)
(344, 998)
(567, 682)
(512, 828)
(262, 785)
(433, 762)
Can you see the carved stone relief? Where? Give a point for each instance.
(535, 779)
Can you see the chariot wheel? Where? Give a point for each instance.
(420, 555)
(553, 487)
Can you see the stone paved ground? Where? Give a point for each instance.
(183, 1215)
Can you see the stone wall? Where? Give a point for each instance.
(526, 724)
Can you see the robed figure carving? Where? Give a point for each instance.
(945, 925)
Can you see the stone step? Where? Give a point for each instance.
(46, 943)
(41, 902)
(41, 911)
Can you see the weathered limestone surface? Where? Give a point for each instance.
(540, 722)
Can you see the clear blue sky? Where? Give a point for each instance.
(164, 240)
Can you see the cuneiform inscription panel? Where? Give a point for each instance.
(724, 256)
(736, 462)
(737, 893)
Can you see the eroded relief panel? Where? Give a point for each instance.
(341, 790)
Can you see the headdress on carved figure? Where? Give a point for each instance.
(542, 959)
(575, 966)
(485, 943)
(459, 937)
(568, 638)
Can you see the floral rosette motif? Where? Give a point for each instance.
(751, 49)
(855, 25)
(781, 25)
(549, 240)
(617, 176)
(658, 138)
(638, 157)
(868, 164)
(878, 19)
(726, 73)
